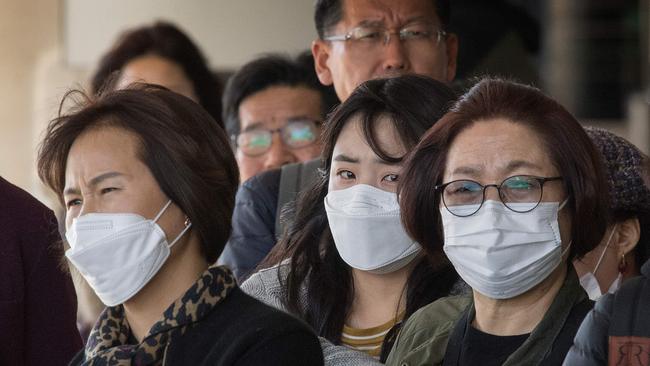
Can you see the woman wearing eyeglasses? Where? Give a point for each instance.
(345, 265)
(511, 189)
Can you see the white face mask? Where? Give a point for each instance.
(589, 281)
(501, 253)
(118, 253)
(367, 231)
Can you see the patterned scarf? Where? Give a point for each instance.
(108, 342)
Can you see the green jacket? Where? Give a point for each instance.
(423, 339)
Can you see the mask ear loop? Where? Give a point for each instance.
(162, 211)
(602, 255)
(188, 225)
(563, 204)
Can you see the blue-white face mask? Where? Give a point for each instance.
(118, 253)
(501, 253)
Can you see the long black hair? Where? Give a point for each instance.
(412, 104)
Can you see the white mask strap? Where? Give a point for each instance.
(566, 249)
(162, 211)
(602, 255)
(563, 204)
(180, 235)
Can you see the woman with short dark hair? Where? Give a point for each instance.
(508, 186)
(148, 181)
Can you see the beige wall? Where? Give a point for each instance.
(49, 46)
(28, 30)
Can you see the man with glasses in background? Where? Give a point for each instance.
(358, 40)
(273, 109)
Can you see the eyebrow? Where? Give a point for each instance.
(94, 182)
(381, 161)
(377, 160)
(259, 124)
(345, 159)
(381, 23)
(513, 165)
(516, 164)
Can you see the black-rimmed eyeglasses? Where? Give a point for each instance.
(519, 193)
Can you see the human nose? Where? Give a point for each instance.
(491, 192)
(395, 57)
(278, 155)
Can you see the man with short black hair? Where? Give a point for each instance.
(273, 108)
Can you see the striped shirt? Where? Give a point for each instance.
(368, 340)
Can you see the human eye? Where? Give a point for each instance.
(520, 183)
(108, 190)
(463, 188)
(392, 178)
(416, 31)
(72, 202)
(345, 174)
(367, 34)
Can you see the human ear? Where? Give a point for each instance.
(451, 42)
(627, 236)
(321, 52)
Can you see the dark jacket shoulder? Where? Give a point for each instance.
(253, 223)
(243, 331)
(33, 284)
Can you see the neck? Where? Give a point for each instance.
(378, 298)
(521, 314)
(181, 270)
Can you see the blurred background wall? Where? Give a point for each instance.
(591, 55)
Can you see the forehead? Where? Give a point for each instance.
(352, 141)
(280, 102)
(388, 11)
(101, 149)
(492, 145)
(151, 68)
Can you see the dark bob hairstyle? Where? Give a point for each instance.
(412, 104)
(186, 151)
(167, 41)
(566, 142)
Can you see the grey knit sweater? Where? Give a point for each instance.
(265, 286)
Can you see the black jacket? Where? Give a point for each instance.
(253, 224)
(243, 331)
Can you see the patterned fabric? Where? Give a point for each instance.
(368, 340)
(108, 343)
(624, 163)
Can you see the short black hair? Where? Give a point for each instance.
(168, 41)
(267, 71)
(328, 13)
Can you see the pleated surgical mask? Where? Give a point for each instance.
(501, 253)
